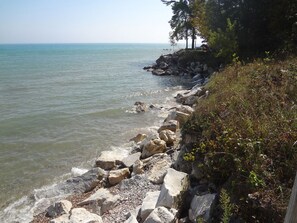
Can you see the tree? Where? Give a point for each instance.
(266, 25)
(182, 20)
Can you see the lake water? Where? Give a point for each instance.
(61, 104)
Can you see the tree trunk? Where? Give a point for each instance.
(187, 45)
(193, 38)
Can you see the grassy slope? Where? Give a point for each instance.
(245, 131)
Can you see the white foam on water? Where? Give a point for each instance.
(24, 209)
(75, 171)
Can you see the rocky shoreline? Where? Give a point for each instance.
(151, 183)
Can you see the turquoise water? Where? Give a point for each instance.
(60, 105)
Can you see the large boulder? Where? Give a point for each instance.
(181, 117)
(180, 163)
(168, 136)
(80, 215)
(131, 159)
(83, 216)
(59, 208)
(109, 159)
(156, 167)
(74, 185)
(102, 198)
(153, 146)
(171, 125)
(174, 189)
(185, 109)
(190, 97)
(83, 183)
(202, 207)
(160, 215)
(116, 176)
(148, 204)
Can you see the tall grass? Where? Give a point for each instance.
(245, 133)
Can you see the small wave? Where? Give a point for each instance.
(75, 171)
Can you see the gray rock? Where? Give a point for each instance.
(168, 136)
(152, 147)
(83, 183)
(174, 189)
(59, 208)
(187, 97)
(171, 125)
(185, 109)
(148, 204)
(102, 198)
(131, 159)
(109, 159)
(116, 176)
(75, 185)
(158, 72)
(191, 100)
(160, 215)
(201, 207)
(140, 107)
(163, 65)
(181, 164)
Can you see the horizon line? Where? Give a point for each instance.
(20, 43)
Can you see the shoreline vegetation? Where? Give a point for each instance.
(227, 153)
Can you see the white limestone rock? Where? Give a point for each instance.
(157, 167)
(102, 198)
(160, 215)
(148, 204)
(173, 189)
(109, 159)
(131, 159)
(78, 215)
(84, 216)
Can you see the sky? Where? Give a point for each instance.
(84, 21)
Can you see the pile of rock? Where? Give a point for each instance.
(144, 185)
(170, 65)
